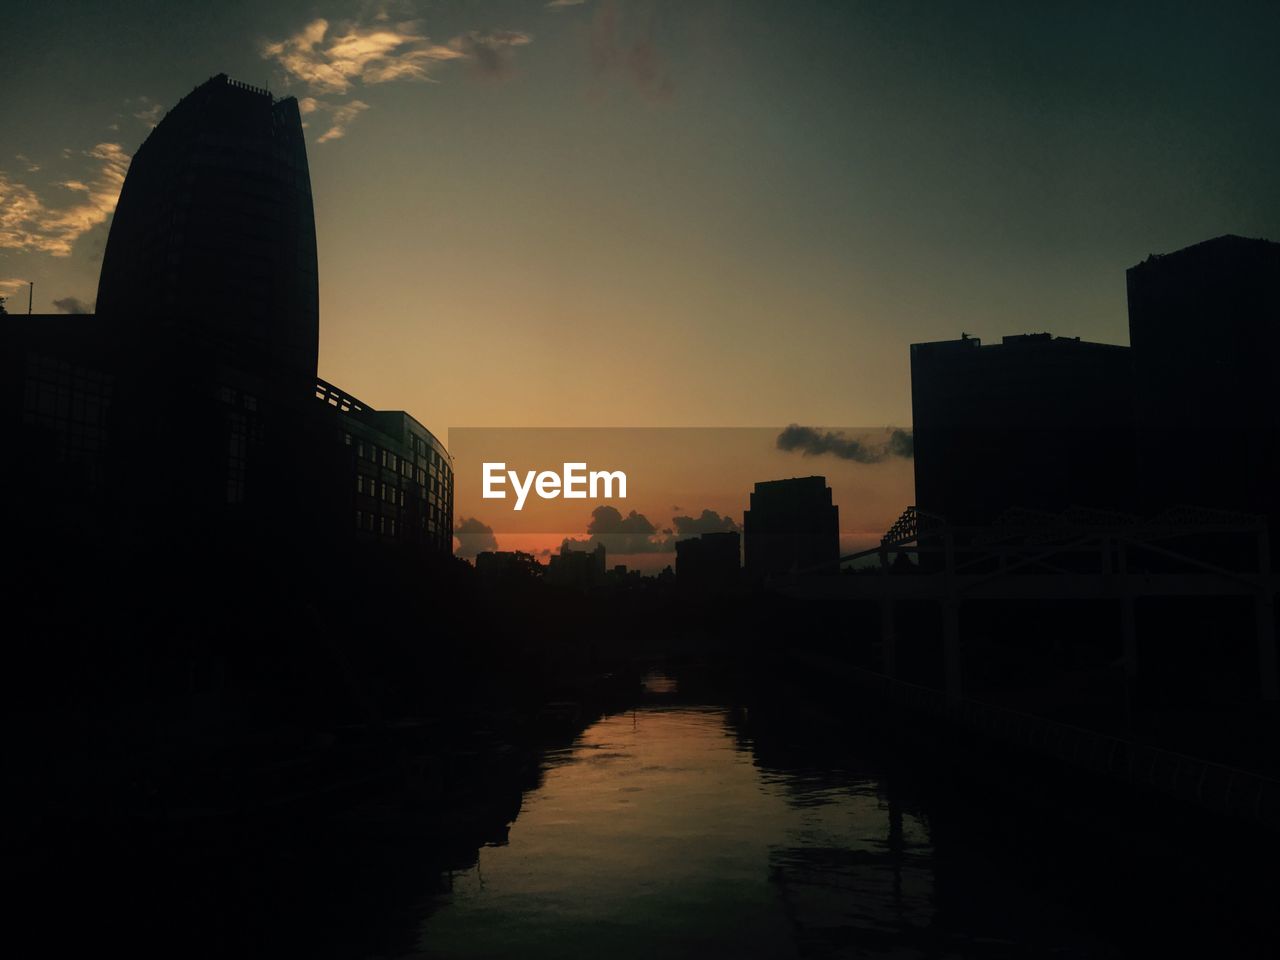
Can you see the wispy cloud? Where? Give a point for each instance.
(564, 4)
(9, 287)
(148, 111)
(491, 51)
(30, 165)
(28, 223)
(341, 117)
(629, 50)
(331, 61)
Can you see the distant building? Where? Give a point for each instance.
(709, 562)
(1036, 421)
(792, 526)
(1204, 323)
(507, 565)
(581, 569)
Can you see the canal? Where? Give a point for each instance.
(686, 824)
(694, 830)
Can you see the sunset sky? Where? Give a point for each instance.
(672, 213)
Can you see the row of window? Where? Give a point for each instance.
(371, 522)
(367, 450)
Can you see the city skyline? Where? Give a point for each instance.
(499, 238)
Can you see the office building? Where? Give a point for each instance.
(1204, 323)
(711, 561)
(1036, 421)
(792, 527)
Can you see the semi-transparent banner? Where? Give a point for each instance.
(637, 491)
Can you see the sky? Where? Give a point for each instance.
(644, 213)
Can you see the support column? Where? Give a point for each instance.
(951, 649)
(951, 627)
(888, 638)
(1128, 631)
(1265, 617)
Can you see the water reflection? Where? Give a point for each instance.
(659, 833)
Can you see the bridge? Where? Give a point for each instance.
(1078, 554)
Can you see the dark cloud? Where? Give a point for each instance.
(72, 305)
(634, 533)
(902, 444)
(473, 537)
(812, 442)
(629, 50)
(492, 52)
(708, 522)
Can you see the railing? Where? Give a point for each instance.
(338, 398)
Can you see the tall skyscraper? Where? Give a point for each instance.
(214, 234)
(188, 411)
(1204, 323)
(1035, 421)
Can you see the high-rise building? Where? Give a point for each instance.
(214, 233)
(1036, 422)
(188, 412)
(791, 527)
(1204, 323)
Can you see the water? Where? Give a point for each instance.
(663, 833)
(680, 830)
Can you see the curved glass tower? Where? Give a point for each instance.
(214, 234)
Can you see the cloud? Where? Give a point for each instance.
(72, 305)
(629, 51)
(9, 287)
(708, 522)
(631, 534)
(491, 52)
(472, 537)
(330, 61)
(149, 112)
(564, 4)
(30, 165)
(342, 117)
(813, 442)
(27, 223)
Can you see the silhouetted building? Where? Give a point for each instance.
(791, 527)
(187, 412)
(399, 477)
(711, 561)
(214, 232)
(507, 565)
(582, 569)
(1204, 323)
(1036, 421)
